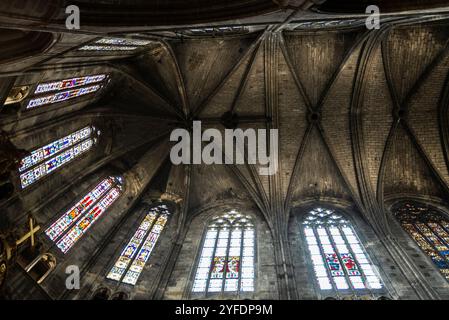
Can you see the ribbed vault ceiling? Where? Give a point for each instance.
(374, 99)
(362, 115)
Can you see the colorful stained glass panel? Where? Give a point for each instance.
(218, 267)
(69, 83)
(53, 148)
(233, 267)
(430, 239)
(337, 254)
(142, 257)
(131, 249)
(227, 260)
(126, 42)
(81, 227)
(67, 219)
(62, 96)
(58, 161)
(107, 48)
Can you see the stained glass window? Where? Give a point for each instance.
(339, 260)
(61, 96)
(115, 44)
(107, 48)
(58, 91)
(134, 256)
(75, 222)
(430, 230)
(226, 263)
(48, 158)
(125, 42)
(214, 31)
(69, 83)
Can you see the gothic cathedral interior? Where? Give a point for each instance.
(224, 149)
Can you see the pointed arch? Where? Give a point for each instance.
(341, 264)
(45, 160)
(226, 261)
(428, 226)
(131, 262)
(74, 223)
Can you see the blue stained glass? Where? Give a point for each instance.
(134, 256)
(47, 159)
(128, 42)
(429, 228)
(74, 223)
(72, 215)
(115, 44)
(51, 149)
(440, 263)
(62, 96)
(69, 83)
(334, 265)
(83, 224)
(107, 48)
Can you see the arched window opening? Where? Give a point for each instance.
(74, 223)
(52, 156)
(226, 263)
(115, 44)
(340, 262)
(67, 89)
(41, 267)
(430, 230)
(135, 255)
